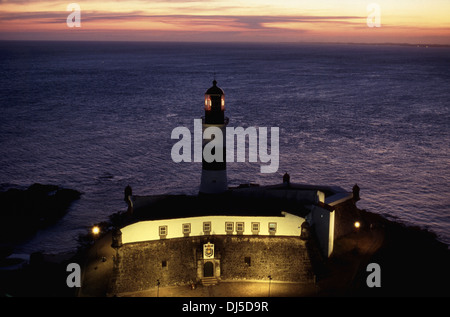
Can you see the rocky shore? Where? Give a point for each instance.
(25, 211)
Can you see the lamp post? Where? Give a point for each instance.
(357, 225)
(270, 280)
(95, 232)
(157, 284)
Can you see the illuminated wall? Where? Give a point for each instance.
(180, 261)
(284, 225)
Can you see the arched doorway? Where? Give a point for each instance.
(208, 269)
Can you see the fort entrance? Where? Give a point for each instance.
(208, 269)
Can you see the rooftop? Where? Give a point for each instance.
(214, 90)
(244, 200)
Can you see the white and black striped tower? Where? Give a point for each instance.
(214, 174)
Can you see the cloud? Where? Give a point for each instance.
(249, 22)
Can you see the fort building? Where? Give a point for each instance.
(249, 232)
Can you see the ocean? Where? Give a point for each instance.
(98, 116)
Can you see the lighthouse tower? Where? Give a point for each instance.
(214, 174)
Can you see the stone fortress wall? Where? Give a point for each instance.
(171, 251)
(180, 261)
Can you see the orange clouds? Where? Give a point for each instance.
(327, 21)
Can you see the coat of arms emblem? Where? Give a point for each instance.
(208, 251)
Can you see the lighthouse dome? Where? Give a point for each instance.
(214, 90)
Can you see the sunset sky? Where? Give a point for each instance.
(402, 21)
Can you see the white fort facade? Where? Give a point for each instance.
(246, 233)
(285, 224)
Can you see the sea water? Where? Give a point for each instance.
(98, 116)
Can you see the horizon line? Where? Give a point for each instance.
(233, 42)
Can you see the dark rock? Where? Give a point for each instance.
(23, 212)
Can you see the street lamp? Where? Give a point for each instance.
(95, 232)
(270, 280)
(357, 225)
(157, 284)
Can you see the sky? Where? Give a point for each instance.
(400, 21)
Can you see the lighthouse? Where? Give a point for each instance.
(214, 173)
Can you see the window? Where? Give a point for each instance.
(272, 227)
(207, 102)
(186, 229)
(255, 227)
(164, 263)
(248, 260)
(207, 227)
(162, 231)
(229, 227)
(239, 227)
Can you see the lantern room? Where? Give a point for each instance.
(208, 103)
(214, 104)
